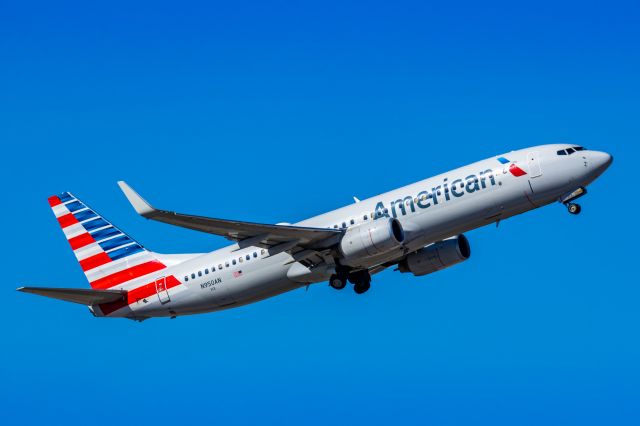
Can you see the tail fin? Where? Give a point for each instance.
(108, 256)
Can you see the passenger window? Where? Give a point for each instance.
(365, 217)
(220, 266)
(193, 276)
(353, 222)
(206, 271)
(262, 252)
(199, 273)
(240, 259)
(226, 264)
(255, 254)
(344, 224)
(335, 226)
(233, 261)
(186, 278)
(248, 257)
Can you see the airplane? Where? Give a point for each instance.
(417, 229)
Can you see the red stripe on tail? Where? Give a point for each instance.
(81, 241)
(67, 220)
(54, 201)
(127, 275)
(94, 261)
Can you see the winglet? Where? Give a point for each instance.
(142, 207)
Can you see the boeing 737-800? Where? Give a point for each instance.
(417, 229)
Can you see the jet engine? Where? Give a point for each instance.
(370, 239)
(437, 256)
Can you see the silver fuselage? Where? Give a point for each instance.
(460, 200)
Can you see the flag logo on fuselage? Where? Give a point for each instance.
(513, 168)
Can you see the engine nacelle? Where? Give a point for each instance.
(370, 239)
(437, 256)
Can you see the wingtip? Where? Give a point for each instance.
(140, 205)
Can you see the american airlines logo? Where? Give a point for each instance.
(439, 194)
(513, 168)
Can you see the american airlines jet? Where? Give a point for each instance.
(416, 229)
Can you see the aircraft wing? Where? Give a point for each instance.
(83, 296)
(246, 233)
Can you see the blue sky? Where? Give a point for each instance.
(276, 111)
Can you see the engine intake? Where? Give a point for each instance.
(437, 256)
(371, 239)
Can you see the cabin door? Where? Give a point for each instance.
(533, 161)
(161, 289)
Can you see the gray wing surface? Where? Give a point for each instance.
(77, 295)
(246, 233)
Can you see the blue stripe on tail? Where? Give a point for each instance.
(125, 251)
(94, 224)
(115, 242)
(74, 205)
(84, 215)
(65, 196)
(105, 233)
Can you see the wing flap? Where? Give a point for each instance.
(77, 295)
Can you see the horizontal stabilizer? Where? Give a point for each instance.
(77, 295)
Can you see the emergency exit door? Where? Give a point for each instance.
(161, 289)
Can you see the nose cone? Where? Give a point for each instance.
(601, 161)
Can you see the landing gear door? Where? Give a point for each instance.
(161, 289)
(533, 161)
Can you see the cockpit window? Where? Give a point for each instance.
(571, 150)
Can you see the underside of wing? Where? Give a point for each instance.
(246, 233)
(77, 295)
